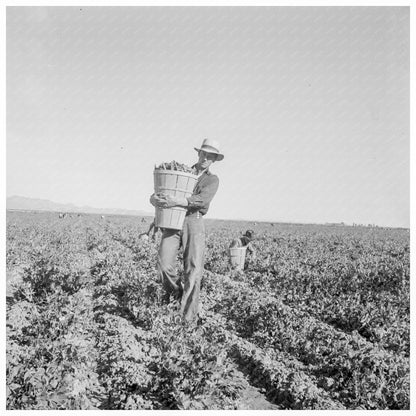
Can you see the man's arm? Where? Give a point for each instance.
(152, 225)
(162, 200)
(198, 200)
(174, 201)
(207, 192)
(251, 249)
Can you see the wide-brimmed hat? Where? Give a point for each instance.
(211, 146)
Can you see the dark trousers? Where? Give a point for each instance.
(192, 240)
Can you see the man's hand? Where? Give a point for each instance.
(175, 201)
(162, 200)
(158, 200)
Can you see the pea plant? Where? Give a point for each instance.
(318, 320)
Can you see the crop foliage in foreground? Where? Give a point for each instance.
(318, 320)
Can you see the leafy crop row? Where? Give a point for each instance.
(362, 375)
(319, 320)
(51, 356)
(352, 280)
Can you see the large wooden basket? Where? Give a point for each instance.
(174, 183)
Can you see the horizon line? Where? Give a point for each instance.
(330, 224)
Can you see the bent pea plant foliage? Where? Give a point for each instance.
(318, 320)
(176, 166)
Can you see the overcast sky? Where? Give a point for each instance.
(310, 105)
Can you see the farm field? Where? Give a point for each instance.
(318, 320)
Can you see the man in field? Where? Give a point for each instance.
(245, 241)
(151, 232)
(192, 235)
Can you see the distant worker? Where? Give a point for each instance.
(149, 234)
(245, 241)
(153, 228)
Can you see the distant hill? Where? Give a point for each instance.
(34, 204)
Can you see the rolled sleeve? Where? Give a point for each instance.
(202, 197)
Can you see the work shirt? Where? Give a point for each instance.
(246, 242)
(205, 189)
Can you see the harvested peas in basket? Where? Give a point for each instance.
(180, 167)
